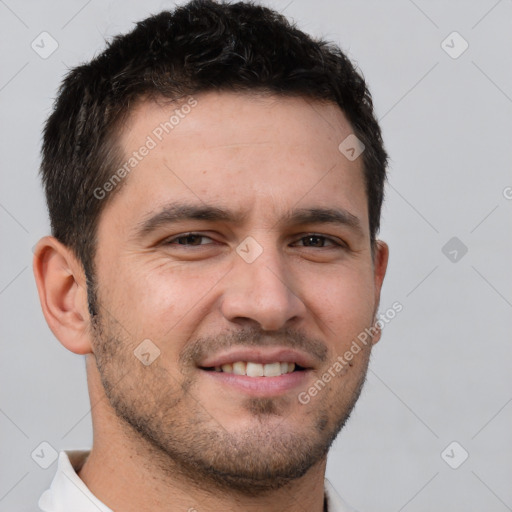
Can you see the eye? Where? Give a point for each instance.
(318, 241)
(190, 239)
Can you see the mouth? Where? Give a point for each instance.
(253, 369)
(259, 372)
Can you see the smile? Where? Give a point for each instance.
(252, 369)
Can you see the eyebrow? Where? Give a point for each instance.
(337, 216)
(182, 212)
(179, 212)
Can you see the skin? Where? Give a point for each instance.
(168, 436)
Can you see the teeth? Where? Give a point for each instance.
(272, 370)
(256, 369)
(239, 368)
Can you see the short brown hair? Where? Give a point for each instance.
(200, 46)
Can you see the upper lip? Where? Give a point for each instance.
(263, 355)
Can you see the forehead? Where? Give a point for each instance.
(258, 153)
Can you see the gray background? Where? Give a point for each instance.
(441, 372)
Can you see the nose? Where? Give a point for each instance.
(261, 292)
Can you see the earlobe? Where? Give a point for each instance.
(62, 291)
(381, 258)
(381, 264)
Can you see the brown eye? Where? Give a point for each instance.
(314, 241)
(318, 241)
(190, 239)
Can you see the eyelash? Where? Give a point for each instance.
(333, 241)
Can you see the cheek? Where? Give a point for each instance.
(344, 302)
(155, 299)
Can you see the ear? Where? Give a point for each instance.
(380, 265)
(62, 291)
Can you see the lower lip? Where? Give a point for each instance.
(261, 386)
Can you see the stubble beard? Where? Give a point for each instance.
(179, 437)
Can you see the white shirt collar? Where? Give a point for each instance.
(68, 492)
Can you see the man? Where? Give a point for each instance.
(214, 180)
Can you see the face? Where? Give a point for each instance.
(239, 247)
